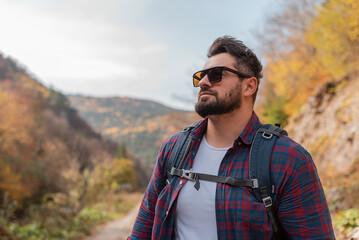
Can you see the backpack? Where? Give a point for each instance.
(259, 168)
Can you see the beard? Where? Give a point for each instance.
(227, 104)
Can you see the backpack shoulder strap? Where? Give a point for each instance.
(180, 149)
(259, 168)
(260, 156)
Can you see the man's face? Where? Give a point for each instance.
(222, 97)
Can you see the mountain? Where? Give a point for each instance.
(141, 124)
(45, 146)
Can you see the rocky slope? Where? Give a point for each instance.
(328, 126)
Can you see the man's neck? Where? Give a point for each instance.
(224, 129)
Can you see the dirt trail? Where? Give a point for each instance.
(115, 230)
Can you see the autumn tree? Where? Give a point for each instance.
(15, 129)
(291, 71)
(334, 34)
(16, 143)
(308, 44)
(45, 147)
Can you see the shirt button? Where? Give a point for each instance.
(166, 213)
(181, 182)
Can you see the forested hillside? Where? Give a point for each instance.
(53, 166)
(141, 124)
(312, 85)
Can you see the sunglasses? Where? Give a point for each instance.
(214, 75)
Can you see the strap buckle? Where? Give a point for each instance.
(189, 174)
(267, 135)
(254, 183)
(267, 201)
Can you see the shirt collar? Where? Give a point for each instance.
(200, 130)
(245, 137)
(250, 129)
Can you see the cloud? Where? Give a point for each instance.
(78, 42)
(136, 48)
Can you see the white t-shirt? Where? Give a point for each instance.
(195, 212)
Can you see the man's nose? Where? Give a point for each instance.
(205, 82)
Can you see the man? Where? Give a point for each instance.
(220, 145)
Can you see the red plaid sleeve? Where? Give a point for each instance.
(303, 209)
(143, 226)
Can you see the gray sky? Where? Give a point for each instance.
(146, 49)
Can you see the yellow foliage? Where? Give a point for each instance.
(133, 130)
(112, 130)
(11, 182)
(30, 84)
(326, 48)
(15, 128)
(334, 34)
(295, 77)
(110, 177)
(123, 171)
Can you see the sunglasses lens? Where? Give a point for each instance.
(198, 77)
(215, 75)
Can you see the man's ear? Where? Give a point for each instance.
(249, 86)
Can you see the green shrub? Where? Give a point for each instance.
(347, 220)
(90, 216)
(32, 231)
(272, 109)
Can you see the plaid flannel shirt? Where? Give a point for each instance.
(298, 196)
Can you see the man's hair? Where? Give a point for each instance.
(246, 61)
